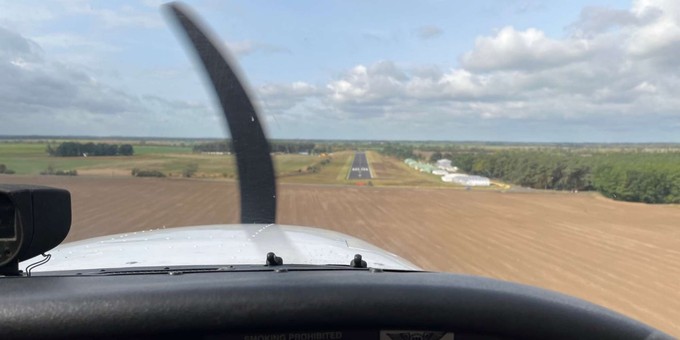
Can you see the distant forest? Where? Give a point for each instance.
(75, 149)
(628, 175)
(224, 146)
(276, 146)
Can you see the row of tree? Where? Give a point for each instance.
(399, 151)
(276, 146)
(224, 146)
(292, 147)
(634, 177)
(75, 149)
(650, 179)
(52, 171)
(539, 170)
(314, 168)
(5, 170)
(622, 175)
(146, 173)
(438, 155)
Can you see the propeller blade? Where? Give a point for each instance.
(253, 156)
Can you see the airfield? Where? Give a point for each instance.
(624, 256)
(360, 169)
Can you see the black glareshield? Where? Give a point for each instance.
(33, 220)
(8, 222)
(255, 167)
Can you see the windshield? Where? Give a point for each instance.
(528, 141)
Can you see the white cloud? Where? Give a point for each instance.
(25, 15)
(21, 15)
(76, 48)
(613, 69)
(510, 49)
(382, 81)
(645, 87)
(122, 17)
(525, 6)
(282, 97)
(247, 47)
(40, 95)
(70, 41)
(660, 36)
(611, 76)
(596, 20)
(429, 32)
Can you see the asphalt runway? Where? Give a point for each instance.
(359, 169)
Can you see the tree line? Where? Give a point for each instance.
(75, 149)
(223, 146)
(5, 170)
(622, 175)
(626, 176)
(292, 147)
(146, 173)
(399, 151)
(51, 171)
(276, 146)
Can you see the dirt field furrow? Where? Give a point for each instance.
(624, 256)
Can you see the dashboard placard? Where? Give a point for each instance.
(414, 335)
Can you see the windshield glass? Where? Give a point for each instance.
(528, 141)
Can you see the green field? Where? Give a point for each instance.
(387, 171)
(334, 172)
(160, 149)
(390, 171)
(172, 159)
(31, 159)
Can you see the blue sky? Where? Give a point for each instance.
(574, 71)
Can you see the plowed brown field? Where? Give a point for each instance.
(624, 256)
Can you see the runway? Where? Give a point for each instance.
(359, 169)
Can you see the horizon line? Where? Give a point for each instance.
(151, 138)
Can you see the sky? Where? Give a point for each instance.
(489, 70)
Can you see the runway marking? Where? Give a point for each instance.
(360, 168)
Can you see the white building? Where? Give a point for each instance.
(477, 181)
(451, 177)
(467, 180)
(444, 163)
